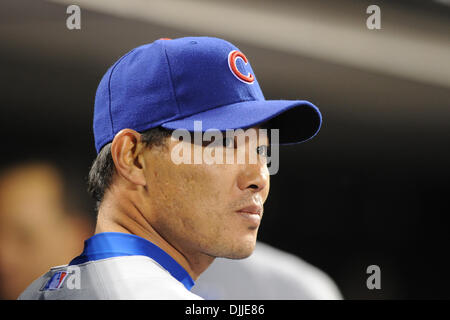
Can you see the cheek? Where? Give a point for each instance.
(188, 190)
(191, 206)
(203, 188)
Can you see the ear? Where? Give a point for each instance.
(126, 151)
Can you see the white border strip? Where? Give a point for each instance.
(392, 53)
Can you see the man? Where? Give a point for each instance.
(161, 223)
(39, 227)
(268, 274)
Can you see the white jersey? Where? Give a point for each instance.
(115, 266)
(268, 274)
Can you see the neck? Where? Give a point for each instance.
(123, 216)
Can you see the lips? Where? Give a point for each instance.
(252, 209)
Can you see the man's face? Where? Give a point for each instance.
(201, 207)
(35, 231)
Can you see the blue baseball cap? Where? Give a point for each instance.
(173, 82)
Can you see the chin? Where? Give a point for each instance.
(242, 255)
(242, 250)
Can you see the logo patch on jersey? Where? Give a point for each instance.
(233, 56)
(56, 281)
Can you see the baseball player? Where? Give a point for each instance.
(161, 223)
(259, 278)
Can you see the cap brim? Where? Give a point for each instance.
(297, 120)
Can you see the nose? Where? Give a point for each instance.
(254, 177)
(254, 174)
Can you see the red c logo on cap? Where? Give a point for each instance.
(232, 57)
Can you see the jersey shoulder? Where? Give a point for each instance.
(269, 273)
(125, 277)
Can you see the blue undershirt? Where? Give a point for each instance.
(116, 244)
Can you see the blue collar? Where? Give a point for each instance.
(115, 244)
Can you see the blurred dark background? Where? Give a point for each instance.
(371, 188)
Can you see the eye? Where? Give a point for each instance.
(263, 150)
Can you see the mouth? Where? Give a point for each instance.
(252, 209)
(252, 214)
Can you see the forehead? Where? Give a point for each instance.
(257, 132)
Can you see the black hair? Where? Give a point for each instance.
(102, 169)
